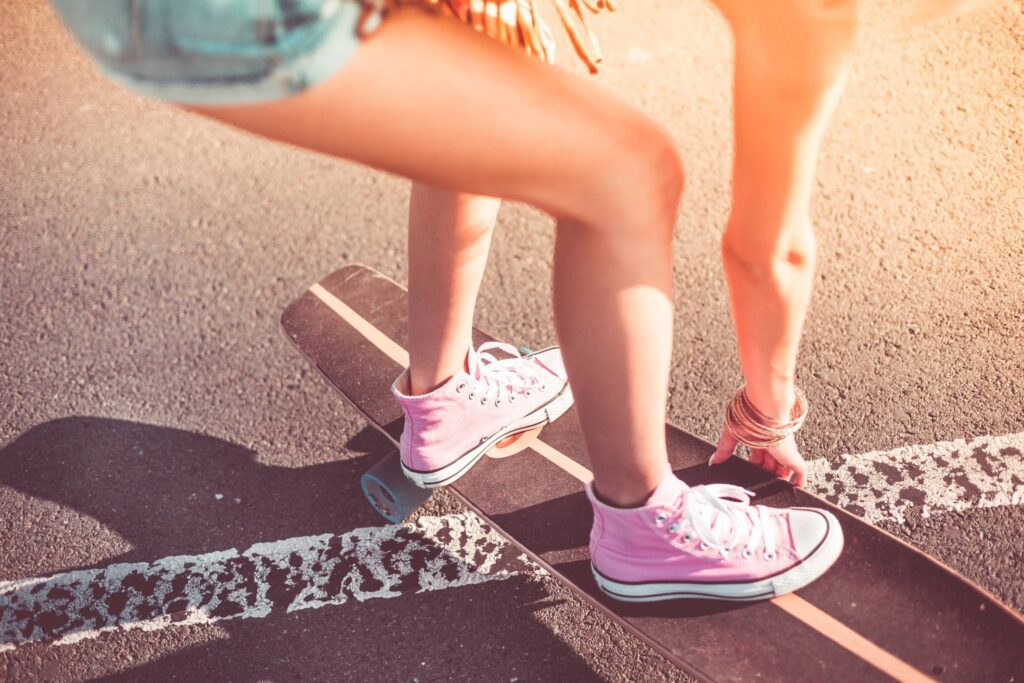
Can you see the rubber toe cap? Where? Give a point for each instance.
(809, 529)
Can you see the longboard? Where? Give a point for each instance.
(884, 611)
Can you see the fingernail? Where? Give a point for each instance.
(711, 460)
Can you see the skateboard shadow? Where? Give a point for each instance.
(562, 521)
(151, 493)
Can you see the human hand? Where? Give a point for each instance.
(783, 460)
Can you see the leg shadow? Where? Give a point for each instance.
(259, 549)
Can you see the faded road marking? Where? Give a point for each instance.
(950, 475)
(306, 572)
(435, 553)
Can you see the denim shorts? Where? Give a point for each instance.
(215, 52)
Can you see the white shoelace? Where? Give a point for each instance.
(705, 508)
(500, 379)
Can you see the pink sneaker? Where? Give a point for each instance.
(708, 542)
(449, 429)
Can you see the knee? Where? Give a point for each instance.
(478, 213)
(653, 174)
(639, 182)
(468, 217)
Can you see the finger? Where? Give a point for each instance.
(726, 446)
(784, 473)
(757, 457)
(800, 473)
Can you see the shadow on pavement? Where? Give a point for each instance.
(170, 492)
(483, 633)
(157, 487)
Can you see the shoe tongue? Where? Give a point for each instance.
(472, 366)
(668, 490)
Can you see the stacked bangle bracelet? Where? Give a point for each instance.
(755, 429)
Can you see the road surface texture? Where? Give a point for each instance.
(152, 409)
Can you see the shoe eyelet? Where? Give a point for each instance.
(471, 395)
(529, 394)
(689, 536)
(460, 388)
(673, 528)
(483, 400)
(543, 387)
(704, 546)
(660, 518)
(746, 554)
(497, 403)
(770, 555)
(512, 398)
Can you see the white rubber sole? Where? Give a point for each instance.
(795, 578)
(449, 474)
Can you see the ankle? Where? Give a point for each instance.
(623, 495)
(425, 377)
(633, 486)
(420, 384)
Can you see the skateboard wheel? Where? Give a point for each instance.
(392, 495)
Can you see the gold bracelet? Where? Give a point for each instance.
(753, 428)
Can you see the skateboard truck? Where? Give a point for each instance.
(394, 497)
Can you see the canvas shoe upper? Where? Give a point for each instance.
(448, 430)
(708, 542)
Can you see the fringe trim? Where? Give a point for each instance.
(514, 22)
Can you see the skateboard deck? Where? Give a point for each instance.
(884, 611)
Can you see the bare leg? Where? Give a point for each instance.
(513, 128)
(449, 236)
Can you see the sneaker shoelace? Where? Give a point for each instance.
(500, 379)
(710, 507)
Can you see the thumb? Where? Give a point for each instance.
(726, 446)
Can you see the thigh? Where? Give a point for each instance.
(432, 100)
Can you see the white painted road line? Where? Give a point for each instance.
(941, 477)
(436, 553)
(306, 572)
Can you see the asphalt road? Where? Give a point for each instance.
(152, 408)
